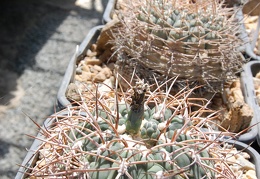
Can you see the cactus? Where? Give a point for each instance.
(136, 114)
(196, 41)
(157, 138)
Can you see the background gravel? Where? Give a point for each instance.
(38, 38)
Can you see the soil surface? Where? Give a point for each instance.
(38, 38)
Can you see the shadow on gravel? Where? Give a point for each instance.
(25, 26)
(4, 148)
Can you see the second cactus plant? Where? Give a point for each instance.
(194, 40)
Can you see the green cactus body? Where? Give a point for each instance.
(100, 165)
(134, 121)
(184, 160)
(92, 144)
(150, 133)
(176, 123)
(136, 113)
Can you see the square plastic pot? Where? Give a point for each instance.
(249, 72)
(108, 13)
(69, 75)
(32, 155)
(246, 47)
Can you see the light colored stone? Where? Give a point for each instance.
(121, 129)
(245, 164)
(78, 78)
(93, 47)
(235, 168)
(245, 155)
(44, 153)
(91, 53)
(85, 68)
(106, 86)
(72, 92)
(97, 68)
(231, 160)
(107, 72)
(250, 174)
(258, 75)
(41, 163)
(93, 70)
(92, 61)
(86, 76)
(100, 77)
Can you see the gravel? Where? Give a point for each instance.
(38, 38)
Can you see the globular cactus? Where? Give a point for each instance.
(150, 132)
(196, 41)
(103, 140)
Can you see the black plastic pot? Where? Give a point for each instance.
(33, 154)
(108, 13)
(249, 72)
(254, 155)
(246, 47)
(91, 38)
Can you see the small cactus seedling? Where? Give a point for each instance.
(141, 134)
(136, 113)
(196, 41)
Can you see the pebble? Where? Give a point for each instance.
(44, 153)
(78, 71)
(245, 155)
(106, 86)
(85, 68)
(231, 160)
(121, 129)
(92, 61)
(100, 77)
(107, 72)
(250, 174)
(93, 47)
(245, 164)
(72, 92)
(41, 163)
(87, 76)
(98, 68)
(91, 53)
